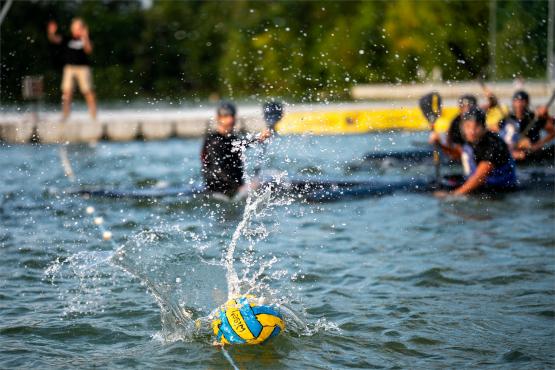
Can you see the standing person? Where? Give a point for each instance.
(222, 153)
(486, 158)
(75, 57)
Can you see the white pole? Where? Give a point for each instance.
(550, 42)
(4, 11)
(493, 39)
(3, 14)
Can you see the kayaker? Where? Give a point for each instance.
(487, 161)
(222, 153)
(75, 51)
(454, 136)
(522, 128)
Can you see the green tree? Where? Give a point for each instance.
(299, 50)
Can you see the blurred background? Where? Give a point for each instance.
(301, 51)
(391, 279)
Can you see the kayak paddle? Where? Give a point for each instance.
(430, 105)
(531, 124)
(273, 113)
(551, 100)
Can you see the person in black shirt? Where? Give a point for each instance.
(75, 51)
(486, 158)
(530, 126)
(222, 152)
(454, 135)
(466, 102)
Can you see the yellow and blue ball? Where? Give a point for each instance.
(242, 321)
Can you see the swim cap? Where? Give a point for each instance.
(521, 95)
(475, 114)
(226, 108)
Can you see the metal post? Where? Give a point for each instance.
(550, 70)
(3, 13)
(493, 39)
(4, 10)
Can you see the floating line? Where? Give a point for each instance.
(229, 359)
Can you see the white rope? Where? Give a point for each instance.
(229, 359)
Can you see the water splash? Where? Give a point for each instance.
(90, 281)
(187, 275)
(183, 281)
(254, 201)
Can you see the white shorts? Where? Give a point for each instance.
(83, 76)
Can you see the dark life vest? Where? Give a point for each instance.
(530, 127)
(222, 163)
(493, 149)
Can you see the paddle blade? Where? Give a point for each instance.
(430, 105)
(551, 100)
(273, 112)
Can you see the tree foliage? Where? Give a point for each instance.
(302, 50)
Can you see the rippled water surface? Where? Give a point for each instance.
(403, 281)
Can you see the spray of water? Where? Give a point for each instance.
(254, 201)
(183, 274)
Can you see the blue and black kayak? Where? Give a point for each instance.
(186, 191)
(318, 189)
(527, 182)
(545, 156)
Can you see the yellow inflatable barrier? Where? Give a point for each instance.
(364, 121)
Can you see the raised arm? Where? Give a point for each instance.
(549, 129)
(51, 31)
(491, 99)
(454, 151)
(87, 45)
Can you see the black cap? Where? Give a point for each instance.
(475, 114)
(273, 112)
(521, 95)
(468, 99)
(226, 108)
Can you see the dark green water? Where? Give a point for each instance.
(402, 281)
